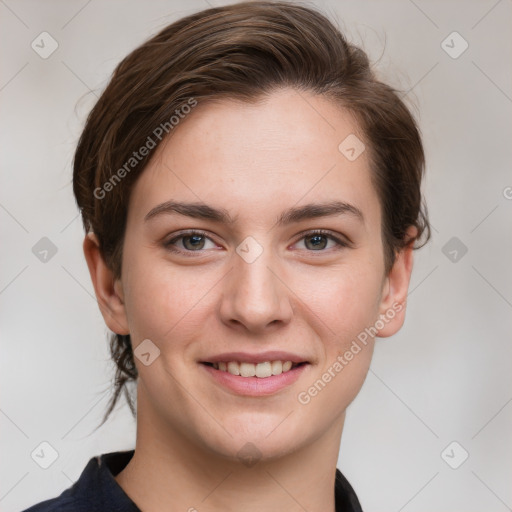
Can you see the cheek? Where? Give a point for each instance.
(346, 299)
(164, 300)
(143, 293)
(347, 308)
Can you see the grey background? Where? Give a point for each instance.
(445, 377)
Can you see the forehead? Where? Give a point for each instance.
(258, 158)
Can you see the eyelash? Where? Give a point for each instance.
(171, 247)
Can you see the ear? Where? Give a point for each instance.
(394, 291)
(109, 293)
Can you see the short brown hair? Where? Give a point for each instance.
(240, 51)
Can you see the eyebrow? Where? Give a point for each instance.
(290, 216)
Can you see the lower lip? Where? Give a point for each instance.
(256, 386)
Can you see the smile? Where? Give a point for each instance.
(250, 379)
(261, 370)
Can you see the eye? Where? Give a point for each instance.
(317, 240)
(191, 241)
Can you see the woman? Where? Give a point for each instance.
(250, 194)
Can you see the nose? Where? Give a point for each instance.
(255, 296)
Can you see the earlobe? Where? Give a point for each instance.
(395, 289)
(108, 291)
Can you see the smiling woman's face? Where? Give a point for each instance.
(255, 285)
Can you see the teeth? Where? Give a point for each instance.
(233, 368)
(261, 370)
(277, 367)
(247, 370)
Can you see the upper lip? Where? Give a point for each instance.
(261, 357)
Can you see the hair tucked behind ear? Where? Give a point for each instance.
(239, 51)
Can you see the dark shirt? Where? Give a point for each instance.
(96, 490)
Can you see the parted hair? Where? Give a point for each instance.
(240, 51)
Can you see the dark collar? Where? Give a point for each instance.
(97, 490)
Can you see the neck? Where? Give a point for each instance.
(169, 472)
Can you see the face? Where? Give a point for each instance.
(259, 283)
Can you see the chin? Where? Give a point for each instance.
(264, 440)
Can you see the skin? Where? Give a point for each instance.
(255, 160)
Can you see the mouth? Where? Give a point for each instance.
(255, 375)
(261, 370)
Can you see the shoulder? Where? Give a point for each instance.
(345, 496)
(95, 490)
(58, 504)
(71, 499)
